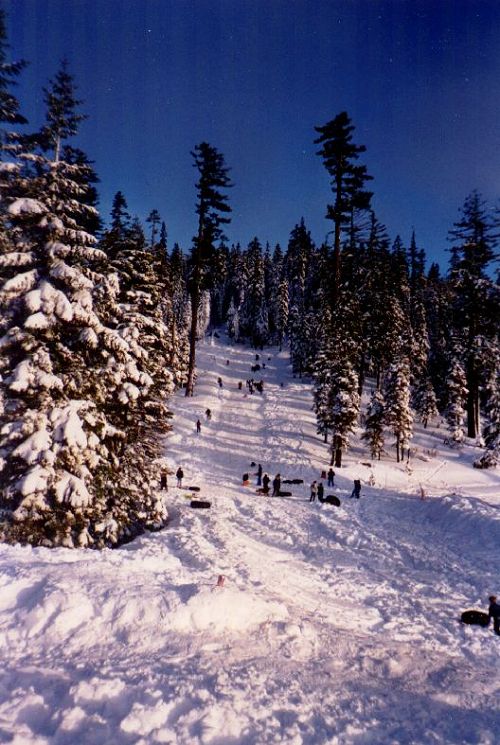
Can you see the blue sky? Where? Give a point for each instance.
(420, 80)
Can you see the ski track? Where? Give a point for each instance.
(335, 625)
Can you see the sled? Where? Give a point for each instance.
(331, 499)
(297, 481)
(475, 617)
(200, 504)
(284, 494)
(262, 491)
(194, 488)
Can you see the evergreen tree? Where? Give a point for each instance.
(344, 407)
(9, 105)
(155, 221)
(397, 397)
(491, 431)
(69, 380)
(425, 401)
(282, 311)
(120, 217)
(374, 425)
(339, 155)
(212, 210)
(475, 304)
(457, 395)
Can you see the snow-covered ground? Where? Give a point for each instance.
(334, 624)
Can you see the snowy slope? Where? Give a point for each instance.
(334, 625)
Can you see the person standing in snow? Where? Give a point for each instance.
(198, 427)
(265, 483)
(314, 491)
(219, 381)
(240, 385)
(356, 492)
(259, 475)
(208, 414)
(163, 479)
(321, 491)
(331, 475)
(179, 476)
(494, 613)
(276, 485)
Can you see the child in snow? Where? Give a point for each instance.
(179, 476)
(277, 485)
(321, 491)
(208, 414)
(331, 474)
(314, 491)
(163, 480)
(265, 483)
(198, 427)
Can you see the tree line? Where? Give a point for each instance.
(99, 325)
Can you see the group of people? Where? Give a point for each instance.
(164, 478)
(251, 384)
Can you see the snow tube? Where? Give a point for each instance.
(475, 617)
(332, 499)
(199, 504)
(194, 488)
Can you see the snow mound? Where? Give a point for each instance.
(222, 608)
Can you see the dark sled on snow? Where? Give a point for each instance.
(263, 491)
(284, 494)
(475, 617)
(331, 499)
(200, 504)
(193, 488)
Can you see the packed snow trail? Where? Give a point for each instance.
(334, 625)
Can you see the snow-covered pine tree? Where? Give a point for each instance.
(475, 303)
(254, 321)
(491, 430)
(374, 425)
(398, 411)
(456, 384)
(281, 311)
(344, 407)
(425, 401)
(67, 379)
(233, 322)
(213, 212)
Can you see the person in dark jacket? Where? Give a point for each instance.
(356, 492)
(259, 475)
(179, 475)
(208, 413)
(321, 491)
(276, 485)
(265, 483)
(331, 475)
(198, 427)
(494, 613)
(163, 479)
